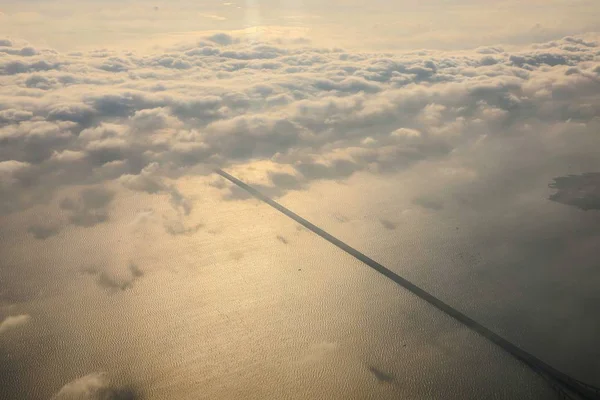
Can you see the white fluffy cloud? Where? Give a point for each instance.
(88, 118)
(13, 322)
(95, 386)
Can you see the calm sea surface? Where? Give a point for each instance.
(246, 304)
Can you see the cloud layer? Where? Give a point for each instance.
(141, 120)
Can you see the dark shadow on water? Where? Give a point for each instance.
(381, 376)
(282, 239)
(580, 191)
(113, 283)
(125, 394)
(387, 224)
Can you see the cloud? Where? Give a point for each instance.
(12, 115)
(150, 181)
(147, 119)
(92, 124)
(67, 156)
(405, 133)
(95, 386)
(13, 322)
(146, 181)
(90, 208)
(80, 113)
(114, 281)
(22, 67)
(10, 169)
(222, 38)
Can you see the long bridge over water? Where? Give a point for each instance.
(565, 386)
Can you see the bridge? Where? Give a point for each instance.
(565, 386)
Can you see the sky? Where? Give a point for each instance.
(455, 137)
(353, 24)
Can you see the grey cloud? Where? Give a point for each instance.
(39, 82)
(488, 60)
(147, 181)
(12, 115)
(24, 52)
(550, 59)
(285, 181)
(104, 151)
(581, 41)
(90, 208)
(115, 64)
(171, 62)
(96, 197)
(205, 108)
(244, 136)
(203, 51)
(190, 153)
(103, 131)
(222, 38)
(490, 50)
(150, 181)
(151, 120)
(351, 85)
(28, 52)
(77, 112)
(20, 67)
(118, 105)
(260, 52)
